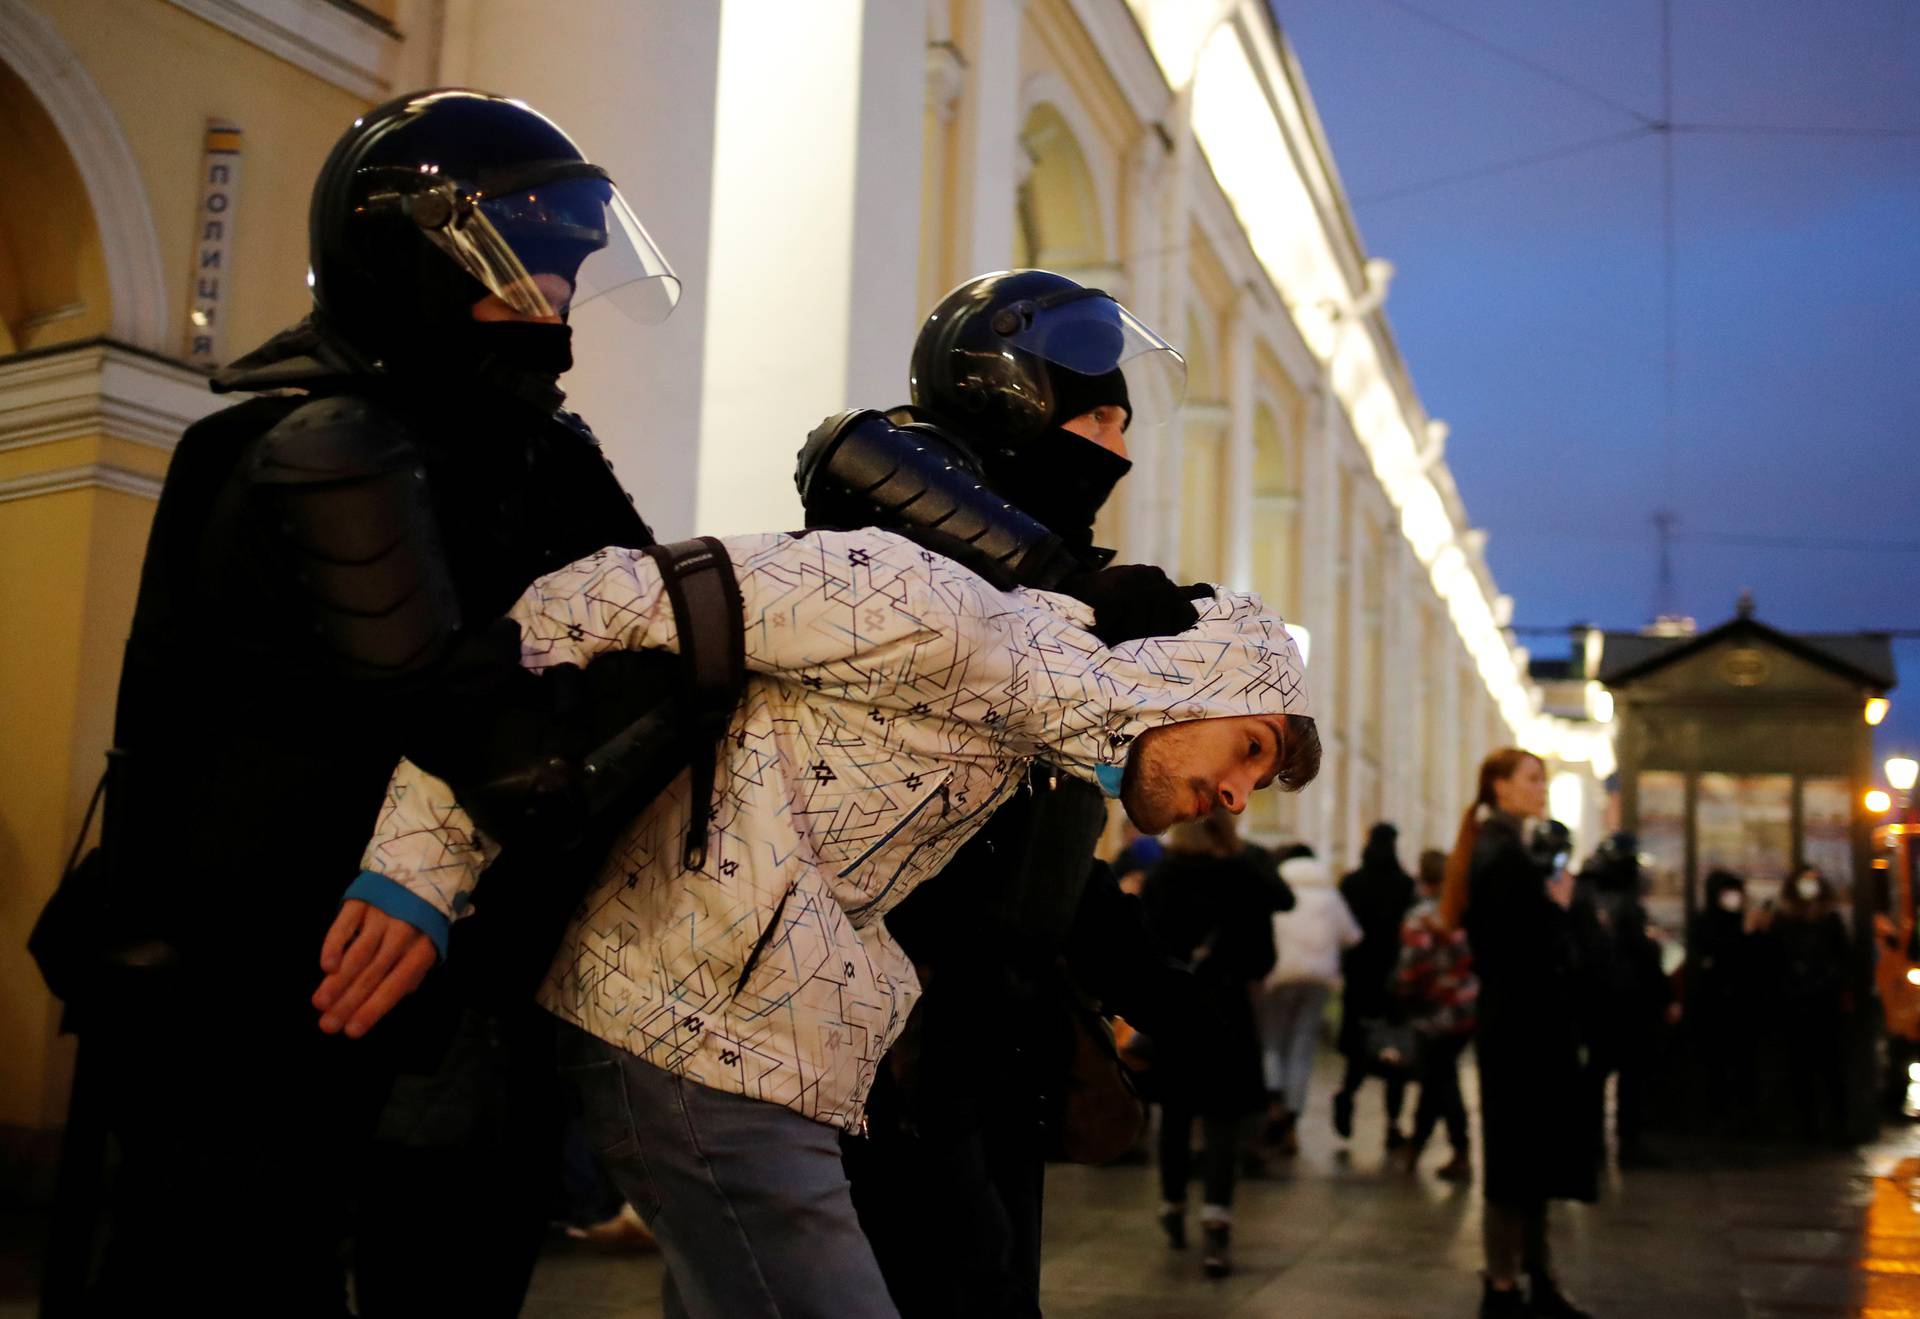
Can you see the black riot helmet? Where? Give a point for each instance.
(1007, 357)
(435, 200)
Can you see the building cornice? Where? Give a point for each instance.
(98, 388)
(350, 48)
(104, 476)
(1115, 33)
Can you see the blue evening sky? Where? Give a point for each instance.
(1528, 303)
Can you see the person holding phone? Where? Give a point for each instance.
(1507, 885)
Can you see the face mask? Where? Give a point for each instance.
(528, 347)
(1732, 899)
(1808, 889)
(1110, 777)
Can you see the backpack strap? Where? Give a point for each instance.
(708, 615)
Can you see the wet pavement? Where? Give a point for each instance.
(1731, 1231)
(1725, 1232)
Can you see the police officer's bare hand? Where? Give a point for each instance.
(372, 961)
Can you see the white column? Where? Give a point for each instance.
(1356, 692)
(1239, 456)
(1448, 755)
(634, 86)
(815, 238)
(1319, 565)
(1399, 724)
(990, 134)
(1146, 498)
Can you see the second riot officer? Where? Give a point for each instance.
(1026, 390)
(324, 569)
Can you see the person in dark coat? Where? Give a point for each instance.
(1379, 894)
(1808, 955)
(1722, 1000)
(1506, 884)
(315, 601)
(1628, 999)
(1210, 905)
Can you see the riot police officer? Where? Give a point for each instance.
(1025, 389)
(324, 566)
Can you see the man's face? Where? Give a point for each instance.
(556, 289)
(1106, 426)
(1182, 771)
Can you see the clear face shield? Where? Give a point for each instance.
(544, 239)
(1088, 333)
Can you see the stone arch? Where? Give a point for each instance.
(34, 52)
(1065, 210)
(1276, 504)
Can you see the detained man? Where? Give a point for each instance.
(724, 1021)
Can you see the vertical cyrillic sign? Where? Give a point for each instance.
(211, 277)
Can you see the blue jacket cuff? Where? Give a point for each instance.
(376, 890)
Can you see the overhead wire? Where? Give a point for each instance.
(1795, 130)
(1501, 167)
(1666, 128)
(1522, 61)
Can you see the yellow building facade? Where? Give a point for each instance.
(819, 174)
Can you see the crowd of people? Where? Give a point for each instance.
(463, 844)
(1575, 1001)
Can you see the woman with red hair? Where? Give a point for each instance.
(1507, 885)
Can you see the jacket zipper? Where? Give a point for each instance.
(760, 944)
(937, 790)
(901, 868)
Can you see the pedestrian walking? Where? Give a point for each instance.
(1440, 995)
(1210, 906)
(1308, 942)
(1628, 1002)
(1507, 886)
(1722, 1000)
(1379, 894)
(1808, 957)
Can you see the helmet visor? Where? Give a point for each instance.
(581, 230)
(1088, 332)
(547, 246)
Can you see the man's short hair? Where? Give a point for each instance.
(1299, 754)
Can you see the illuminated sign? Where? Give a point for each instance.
(210, 277)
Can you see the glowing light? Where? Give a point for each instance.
(1303, 639)
(1902, 771)
(1567, 798)
(1877, 801)
(1876, 710)
(1599, 704)
(1913, 1069)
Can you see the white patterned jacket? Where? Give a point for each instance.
(892, 698)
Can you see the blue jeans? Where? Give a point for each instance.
(747, 1199)
(1289, 1035)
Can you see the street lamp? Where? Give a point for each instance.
(1877, 801)
(1876, 710)
(1901, 772)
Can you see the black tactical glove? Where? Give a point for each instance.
(1135, 600)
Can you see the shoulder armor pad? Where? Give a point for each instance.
(342, 496)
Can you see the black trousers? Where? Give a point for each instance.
(256, 1166)
(953, 1215)
(1439, 1076)
(1359, 1067)
(1224, 1136)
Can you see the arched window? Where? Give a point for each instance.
(1203, 461)
(1276, 514)
(53, 272)
(1058, 205)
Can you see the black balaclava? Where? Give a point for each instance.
(1062, 479)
